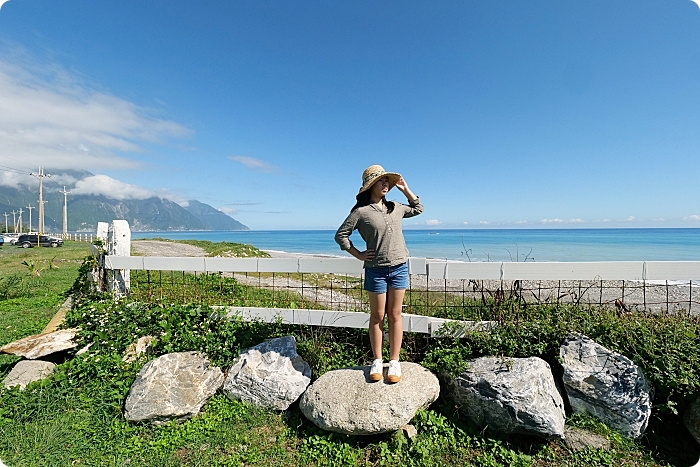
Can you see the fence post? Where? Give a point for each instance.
(99, 274)
(119, 245)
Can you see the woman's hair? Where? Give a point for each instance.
(364, 199)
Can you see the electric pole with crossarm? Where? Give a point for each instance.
(30, 207)
(65, 212)
(41, 177)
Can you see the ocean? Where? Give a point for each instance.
(484, 244)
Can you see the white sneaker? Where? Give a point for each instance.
(377, 370)
(394, 374)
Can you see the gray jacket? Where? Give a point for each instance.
(380, 230)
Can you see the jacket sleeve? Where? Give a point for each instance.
(414, 208)
(342, 236)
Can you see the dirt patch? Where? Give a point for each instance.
(158, 248)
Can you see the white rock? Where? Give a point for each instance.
(346, 401)
(40, 345)
(135, 350)
(270, 375)
(605, 384)
(173, 386)
(28, 371)
(510, 395)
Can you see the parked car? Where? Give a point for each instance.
(10, 238)
(30, 240)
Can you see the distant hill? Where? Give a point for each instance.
(213, 218)
(84, 211)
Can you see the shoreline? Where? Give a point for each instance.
(286, 254)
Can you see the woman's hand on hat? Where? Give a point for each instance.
(402, 185)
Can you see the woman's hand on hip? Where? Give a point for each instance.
(367, 255)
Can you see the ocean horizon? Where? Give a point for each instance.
(582, 244)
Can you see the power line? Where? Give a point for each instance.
(11, 169)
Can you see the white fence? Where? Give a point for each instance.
(434, 269)
(438, 288)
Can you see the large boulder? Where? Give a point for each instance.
(605, 384)
(270, 375)
(173, 386)
(346, 401)
(40, 345)
(691, 419)
(510, 395)
(28, 371)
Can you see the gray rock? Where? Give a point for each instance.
(510, 395)
(137, 349)
(691, 419)
(607, 385)
(270, 375)
(173, 386)
(40, 345)
(28, 371)
(346, 401)
(577, 439)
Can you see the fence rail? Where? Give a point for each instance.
(435, 269)
(438, 288)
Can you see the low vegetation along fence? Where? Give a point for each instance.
(438, 290)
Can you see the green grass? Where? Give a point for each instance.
(75, 417)
(29, 301)
(224, 249)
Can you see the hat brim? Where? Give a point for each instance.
(393, 180)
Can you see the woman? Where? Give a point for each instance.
(385, 258)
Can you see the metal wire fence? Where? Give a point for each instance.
(464, 299)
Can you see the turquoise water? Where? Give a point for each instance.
(484, 245)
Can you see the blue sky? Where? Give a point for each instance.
(499, 114)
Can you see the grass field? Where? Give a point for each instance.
(75, 418)
(33, 284)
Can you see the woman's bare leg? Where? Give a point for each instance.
(394, 302)
(377, 305)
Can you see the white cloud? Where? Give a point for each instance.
(116, 189)
(484, 222)
(228, 211)
(465, 223)
(49, 117)
(111, 188)
(556, 220)
(13, 179)
(433, 222)
(255, 164)
(521, 222)
(630, 219)
(694, 217)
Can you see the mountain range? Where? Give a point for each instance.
(86, 210)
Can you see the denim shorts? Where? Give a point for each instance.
(378, 279)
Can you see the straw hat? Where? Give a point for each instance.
(374, 173)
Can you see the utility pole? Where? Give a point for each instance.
(65, 212)
(14, 221)
(6, 231)
(41, 177)
(20, 219)
(30, 207)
